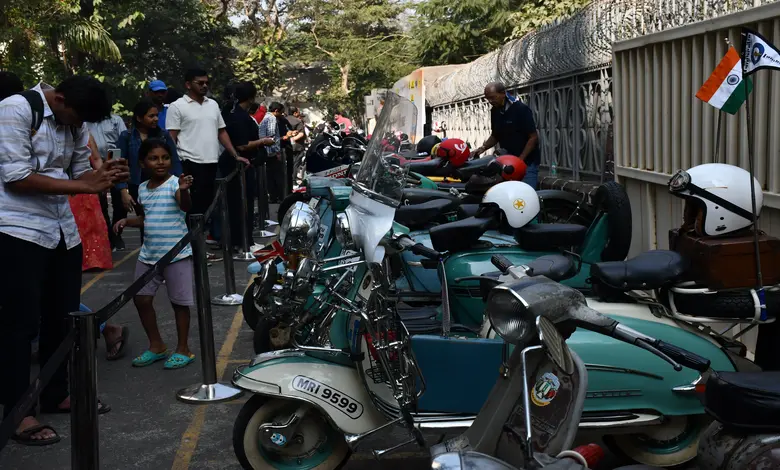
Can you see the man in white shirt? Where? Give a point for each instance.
(196, 125)
(40, 248)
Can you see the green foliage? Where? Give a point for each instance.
(447, 32)
(534, 14)
(363, 40)
(261, 65)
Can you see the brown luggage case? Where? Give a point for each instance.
(728, 263)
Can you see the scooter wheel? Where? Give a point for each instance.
(248, 307)
(317, 445)
(670, 444)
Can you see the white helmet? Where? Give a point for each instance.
(518, 200)
(717, 198)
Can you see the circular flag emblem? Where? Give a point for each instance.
(546, 389)
(732, 79)
(758, 52)
(519, 204)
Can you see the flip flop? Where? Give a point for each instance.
(120, 353)
(102, 409)
(25, 437)
(149, 358)
(177, 361)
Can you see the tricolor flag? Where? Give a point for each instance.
(758, 52)
(725, 89)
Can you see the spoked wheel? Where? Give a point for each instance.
(316, 445)
(668, 445)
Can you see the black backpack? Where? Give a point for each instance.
(36, 106)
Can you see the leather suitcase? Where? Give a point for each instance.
(728, 262)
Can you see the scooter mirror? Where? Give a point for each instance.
(554, 345)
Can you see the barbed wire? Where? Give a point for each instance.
(581, 42)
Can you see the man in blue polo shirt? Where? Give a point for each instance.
(157, 92)
(514, 130)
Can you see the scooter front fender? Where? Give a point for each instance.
(326, 380)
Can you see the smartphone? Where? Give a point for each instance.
(114, 153)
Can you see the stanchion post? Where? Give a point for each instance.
(262, 202)
(210, 391)
(83, 394)
(245, 254)
(230, 297)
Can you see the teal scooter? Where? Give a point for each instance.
(648, 414)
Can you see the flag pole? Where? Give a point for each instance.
(746, 50)
(717, 137)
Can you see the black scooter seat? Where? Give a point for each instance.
(462, 234)
(550, 237)
(419, 195)
(432, 167)
(746, 401)
(472, 167)
(416, 216)
(650, 270)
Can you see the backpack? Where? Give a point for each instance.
(36, 106)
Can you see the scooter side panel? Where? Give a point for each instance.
(334, 389)
(459, 373)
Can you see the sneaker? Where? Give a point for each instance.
(210, 240)
(213, 257)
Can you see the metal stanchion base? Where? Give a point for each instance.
(232, 299)
(213, 393)
(244, 256)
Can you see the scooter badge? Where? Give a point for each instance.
(546, 389)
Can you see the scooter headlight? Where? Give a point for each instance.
(300, 228)
(344, 232)
(509, 316)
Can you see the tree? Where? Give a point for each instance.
(361, 39)
(44, 38)
(533, 14)
(447, 32)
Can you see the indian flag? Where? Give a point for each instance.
(725, 89)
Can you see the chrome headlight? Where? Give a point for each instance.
(344, 232)
(509, 315)
(300, 228)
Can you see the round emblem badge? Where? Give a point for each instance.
(519, 204)
(546, 389)
(758, 52)
(732, 79)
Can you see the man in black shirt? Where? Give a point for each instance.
(514, 130)
(298, 133)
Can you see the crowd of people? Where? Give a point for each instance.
(73, 176)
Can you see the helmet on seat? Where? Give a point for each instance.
(454, 150)
(426, 144)
(717, 198)
(517, 200)
(514, 167)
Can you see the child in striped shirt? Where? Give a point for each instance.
(164, 199)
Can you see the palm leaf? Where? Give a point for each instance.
(90, 38)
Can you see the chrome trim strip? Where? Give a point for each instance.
(606, 368)
(639, 419)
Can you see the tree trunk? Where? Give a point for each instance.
(344, 78)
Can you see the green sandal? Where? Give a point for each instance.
(177, 361)
(149, 358)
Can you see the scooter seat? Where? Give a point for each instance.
(746, 401)
(431, 167)
(419, 195)
(649, 270)
(462, 234)
(550, 237)
(416, 216)
(472, 167)
(467, 210)
(446, 186)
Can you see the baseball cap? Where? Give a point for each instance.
(157, 85)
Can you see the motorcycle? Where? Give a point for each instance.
(537, 400)
(653, 416)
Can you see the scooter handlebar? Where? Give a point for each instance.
(686, 358)
(418, 248)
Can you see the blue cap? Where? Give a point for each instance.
(157, 85)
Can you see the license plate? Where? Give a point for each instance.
(339, 400)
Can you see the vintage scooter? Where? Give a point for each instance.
(531, 416)
(343, 390)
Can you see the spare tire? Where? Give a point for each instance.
(611, 199)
